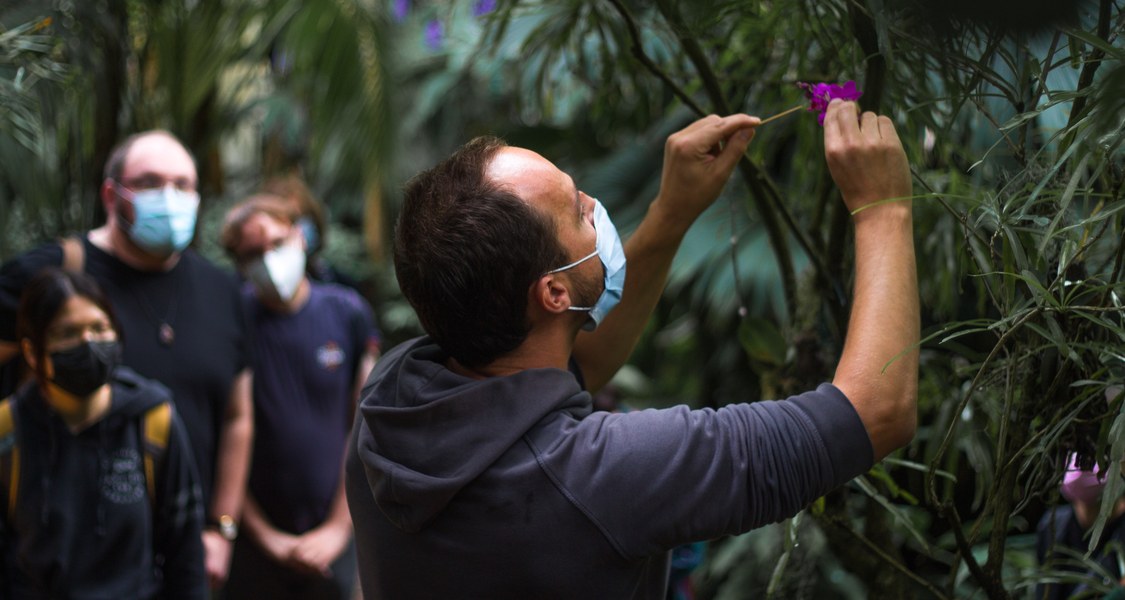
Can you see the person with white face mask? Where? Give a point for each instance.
(180, 313)
(314, 344)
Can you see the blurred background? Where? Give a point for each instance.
(1012, 114)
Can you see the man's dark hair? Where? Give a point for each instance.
(466, 253)
(116, 161)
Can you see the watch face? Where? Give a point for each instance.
(227, 528)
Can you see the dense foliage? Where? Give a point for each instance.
(1012, 113)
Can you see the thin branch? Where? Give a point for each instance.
(964, 401)
(890, 560)
(1091, 64)
(638, 51)
(966, 551)
(759, 184)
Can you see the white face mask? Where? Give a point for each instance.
(279, 272)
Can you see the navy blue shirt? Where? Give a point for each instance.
(304, 377)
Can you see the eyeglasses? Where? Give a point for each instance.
(70, 334)
(155, 182)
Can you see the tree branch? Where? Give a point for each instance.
(890, 560)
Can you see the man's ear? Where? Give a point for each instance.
(551, 294)
(109, 198)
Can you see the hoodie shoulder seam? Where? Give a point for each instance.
(562, 489)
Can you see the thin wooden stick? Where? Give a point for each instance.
(781, 114)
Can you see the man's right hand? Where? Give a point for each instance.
(698, 161)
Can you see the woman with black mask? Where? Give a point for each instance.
(98, 493)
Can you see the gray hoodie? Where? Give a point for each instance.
(511, 487)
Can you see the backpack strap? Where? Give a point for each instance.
(9, 459)
(74, 254)
(157, 426)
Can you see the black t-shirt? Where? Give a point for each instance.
(196, 299)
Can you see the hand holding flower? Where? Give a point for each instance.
(819, 95)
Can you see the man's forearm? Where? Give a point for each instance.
(878, 369)
(235, 442)
(339, 517)
(698, 161)
(649, 252)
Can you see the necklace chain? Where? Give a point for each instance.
(165, 333)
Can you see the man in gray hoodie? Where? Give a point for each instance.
(477, 468)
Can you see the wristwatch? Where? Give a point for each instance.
(225, 526)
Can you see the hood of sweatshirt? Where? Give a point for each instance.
(425, 431)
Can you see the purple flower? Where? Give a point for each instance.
(435, 31)
(483, 7)
(820, 94)
(400, 9)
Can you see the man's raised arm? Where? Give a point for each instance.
(878, 370)
(698, 161)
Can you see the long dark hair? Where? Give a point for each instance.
(43, 299)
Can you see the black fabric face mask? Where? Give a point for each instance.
(86, 367)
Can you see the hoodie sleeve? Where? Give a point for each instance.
(655, 479)
(179, 520)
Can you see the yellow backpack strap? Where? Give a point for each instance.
(9, 457)
(158, 424)
(74, 254)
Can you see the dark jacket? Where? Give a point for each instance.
(85, 526)
(511, 487)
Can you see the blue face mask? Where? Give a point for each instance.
(609, 250)
(164, 220)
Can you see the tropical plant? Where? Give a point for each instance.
(1012, 116)
(1015, 135)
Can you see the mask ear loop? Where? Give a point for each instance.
(575, 263)
(571, 266)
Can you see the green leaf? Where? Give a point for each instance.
(762, 341)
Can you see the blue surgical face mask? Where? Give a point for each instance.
(163, 219)
(608, 249)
